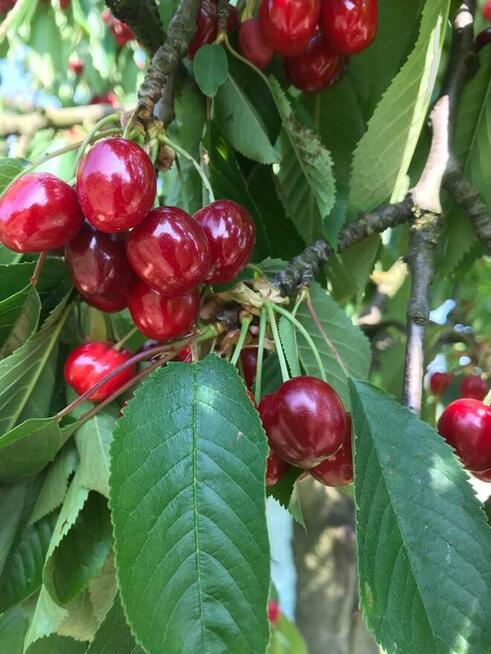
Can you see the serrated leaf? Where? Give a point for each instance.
(10, 168)
(210, 68)
(423, 539)
(343, 347)
(103, 589)
(13, 626)
(93, 442)
(57, 645)
(289, 342)
(20, 320)
(241, 124)
(283, 490)
(188, 509)
(382, 157)
(114, 635)
(53, 281)
(305, 176)
(55, 484)
(11, 509)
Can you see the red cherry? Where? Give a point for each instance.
(76, 66)
(316, 68)
(89, 363)
(337, 470)
(439, 382)
(287, 25)
(253, 45)
(473, 386)
(160, 317)
(39, 212)
(6, 5)
(207, 24)
(185, 355)
(116, 184)
(305, 421)
(248, 360)
(483, 476)
(231, 234)
(486, 11)
(466, 425)
(64, 4)
(350, 26)
(274, 612)
(169, 251)
(105, 98)
(276, 469)
(99, 269)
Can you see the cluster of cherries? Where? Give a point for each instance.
(466, 423)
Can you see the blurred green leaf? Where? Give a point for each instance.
(210, 67)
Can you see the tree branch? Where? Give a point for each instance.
(59, 118)
(143, 18)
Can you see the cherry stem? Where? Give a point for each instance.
(277, 341)
(38, 268)
(298, 325)
(93, 134)
(320, 327)
(190, 158)
(263, 323)
(125, 338)
(487, 399)
(244, 330)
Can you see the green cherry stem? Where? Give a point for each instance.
(244, 330)
(189, 157)
(263, 323)
(277, 341)
(245, 61)
(125, 338)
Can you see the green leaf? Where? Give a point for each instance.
(53, 279)
(286, 639)
(93, 442)
(382, 158)
(167, 9)
(19, 317)
(13, 626)
(344, 349)
(289, 342)
(11, 509)
(57, 645)
(10, 168)
(284, 492)
(188, 509)
(210, 67)
(241, 124)
(21, 371)
(114, 635)
(423, 539)
(305, 177)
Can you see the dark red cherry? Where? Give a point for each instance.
(486, 10)
(349, 26)
(439, 382)
(231, 234)
(248, 360)
(76, 66)
(99, 269)
(287, 25)
(304, 420)
(276, 469)
(105, 98)
(274, 612)
(185, 355)
(91, 362)
(474, 386)
(253, 45)
(316, 67)
(169, 251)
(6, 5)
(38, 212)
(466, 426)
(120, 30)
(207, 24)
(116, 184)
(160, 317)
(483, 476)
(337, 470)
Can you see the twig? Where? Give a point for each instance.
(59, 118)
(143, 18)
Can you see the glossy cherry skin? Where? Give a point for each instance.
(169, 251)
(207, 24)
(160, 317)
(349, 26)
(253, 45)
(38, 212)
(287, 25)
(89, 363)
(337, 470)
(248, 360)
(316, 67)
(99, 269)
(231, 234)
(439, 382)
(473, 386)
(486, 10)
(116, 184)
(466, 426)
(304, 420)
(276, 469)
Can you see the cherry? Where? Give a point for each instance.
(76, 66)
(473, 386)
(276, 469)
(231, 234)
(316, 68)
(105, 98)
(305, 421)
(185, 355)
(466, 426)
(120, 30)
(116, 184)
(337, 470)
(274, 612)
(207, 24)
(98, 268)
(350, 26)
(253, 45)
(248, 360)
(38, 212)
(439, 382)
(89, 363)
(6, 5)
(486, 10)
(287, 25)
(161, 317)
(169, 251)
